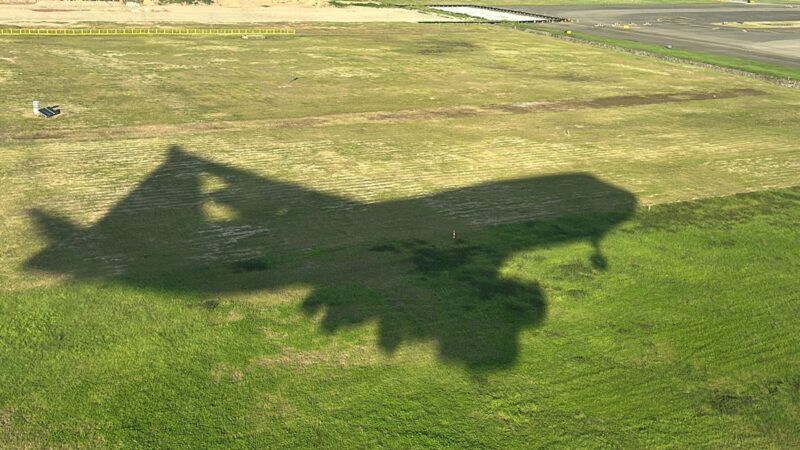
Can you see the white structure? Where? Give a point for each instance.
(36, 108)
(491, 14)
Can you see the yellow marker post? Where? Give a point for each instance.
(143, 31)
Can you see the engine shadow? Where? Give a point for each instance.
(200, 226)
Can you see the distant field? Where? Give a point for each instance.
(250, 243)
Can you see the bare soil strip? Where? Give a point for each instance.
(76, 13)
(380, 116)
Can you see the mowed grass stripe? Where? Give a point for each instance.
(416, 177)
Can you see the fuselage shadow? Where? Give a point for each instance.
(205, 227)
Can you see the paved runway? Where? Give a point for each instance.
(691, 27)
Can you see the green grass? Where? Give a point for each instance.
(772, 70)
(690, 336)
(248, 244)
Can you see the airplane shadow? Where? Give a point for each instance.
(196, 225)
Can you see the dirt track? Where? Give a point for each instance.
(73, 13)
(382, 116)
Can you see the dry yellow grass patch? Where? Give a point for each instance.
(338, 356)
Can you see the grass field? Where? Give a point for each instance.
(249, 244)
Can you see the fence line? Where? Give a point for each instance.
(142, 31)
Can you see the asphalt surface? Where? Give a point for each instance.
(690, 27)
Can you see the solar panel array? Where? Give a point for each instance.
(50, 111)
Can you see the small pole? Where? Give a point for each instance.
(454, 233)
